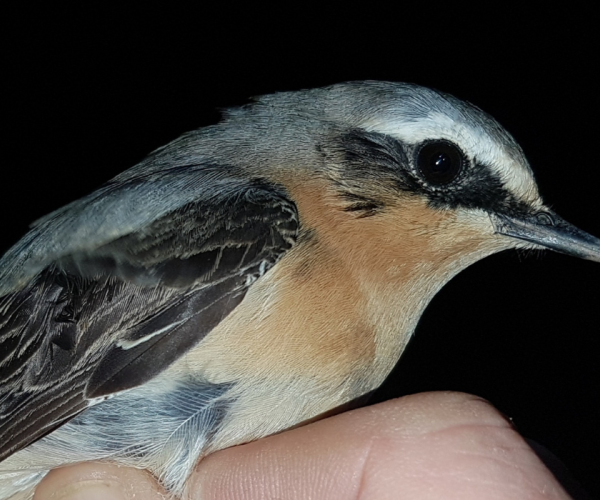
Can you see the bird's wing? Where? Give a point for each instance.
(115, 301)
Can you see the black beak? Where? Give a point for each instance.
(548, 230)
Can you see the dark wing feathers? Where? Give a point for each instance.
(92, 323)
(164, 338)
(197, 242)
(118, 209)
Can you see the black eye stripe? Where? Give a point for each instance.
(373, 162)
(439, 162)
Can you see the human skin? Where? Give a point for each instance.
(424, 446)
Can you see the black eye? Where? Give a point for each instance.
(440, 162)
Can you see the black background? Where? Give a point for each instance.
(89, 91)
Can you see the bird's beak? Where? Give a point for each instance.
(550, 231)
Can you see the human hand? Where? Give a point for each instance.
(423, 446)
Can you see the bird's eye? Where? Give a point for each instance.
(440, 162)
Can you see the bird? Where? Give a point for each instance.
(251, 276)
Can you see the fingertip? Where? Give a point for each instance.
(431, 445)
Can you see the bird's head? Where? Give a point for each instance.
(435, 167)
(459, 158)
(407, 186)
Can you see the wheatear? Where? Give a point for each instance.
(250, 276)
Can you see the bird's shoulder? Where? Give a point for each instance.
(105, 294)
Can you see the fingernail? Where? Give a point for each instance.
(90, 490)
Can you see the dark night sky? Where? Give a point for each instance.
(89, 92)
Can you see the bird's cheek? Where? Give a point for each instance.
(467, 236)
